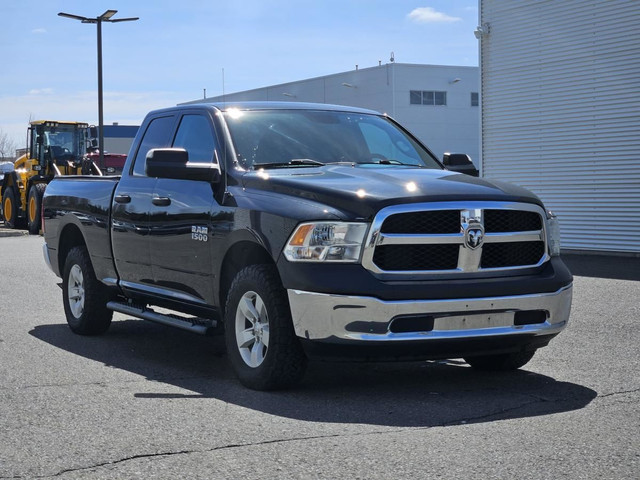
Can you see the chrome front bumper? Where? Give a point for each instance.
(362, 320)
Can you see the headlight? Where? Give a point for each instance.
(326, 242)
(553, 235)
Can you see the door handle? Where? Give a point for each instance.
(122, 198)
(161, 201)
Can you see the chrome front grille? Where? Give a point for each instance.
(416, 257)
(455, 237)
(435, 221)
(511, 221)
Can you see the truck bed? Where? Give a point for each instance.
(84, 201)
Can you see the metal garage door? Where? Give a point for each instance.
(561, 112)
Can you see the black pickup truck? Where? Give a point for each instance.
(307, 231)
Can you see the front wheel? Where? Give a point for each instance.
(84, 297)
(9, 208)
(261, 343)
(34, 207)
(502, 362)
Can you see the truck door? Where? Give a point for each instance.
(180, 229)
(131, 209)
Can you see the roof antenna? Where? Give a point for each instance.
(393, 58)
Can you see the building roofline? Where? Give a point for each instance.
(331, 75)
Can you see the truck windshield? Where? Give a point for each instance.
(272, 138)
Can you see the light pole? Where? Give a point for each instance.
(105, 17)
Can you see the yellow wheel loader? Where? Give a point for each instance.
(53, 148)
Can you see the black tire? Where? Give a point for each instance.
(34, 207)
(84, 297)
(277, 362)
(9, 208)
(502, 362)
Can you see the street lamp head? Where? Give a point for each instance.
(108, 14)
(129, 19)
(75, 17)
(105, 17)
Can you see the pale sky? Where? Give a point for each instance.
(179, 48)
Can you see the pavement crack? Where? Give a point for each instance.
(499, 413)
(113, 462)
(180, 452)
(621, 392)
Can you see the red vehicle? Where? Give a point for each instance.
(113, 162)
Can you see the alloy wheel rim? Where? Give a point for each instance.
(75, 291)
(252, 329)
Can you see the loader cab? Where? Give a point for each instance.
(53, 148)
(57, 146)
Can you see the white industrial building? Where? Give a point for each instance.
(561, 112)
(118, 138)
(438, 104)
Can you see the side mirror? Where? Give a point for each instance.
(93, 132)
(174, 163)
(460, 162)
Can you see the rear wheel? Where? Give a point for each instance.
(9, 208)
(84, 297)
(34, 207)
(261, 343)
(502, 362)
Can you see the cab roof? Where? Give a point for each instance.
(58, 122)
(226, 106)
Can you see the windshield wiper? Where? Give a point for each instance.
(295, 162)
(387, 161)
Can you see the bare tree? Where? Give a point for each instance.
(7, 147)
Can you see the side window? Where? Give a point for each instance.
(157, 135)
(195, 136)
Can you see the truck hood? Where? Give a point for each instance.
(361, 190)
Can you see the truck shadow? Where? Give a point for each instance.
(415, 394)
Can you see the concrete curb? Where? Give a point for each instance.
(7, 232)
(11, 232)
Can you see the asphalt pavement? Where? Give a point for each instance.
(146, 401)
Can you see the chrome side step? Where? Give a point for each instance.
(197, 325)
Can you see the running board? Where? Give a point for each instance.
(201, 326)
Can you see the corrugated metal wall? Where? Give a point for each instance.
(560, 84)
